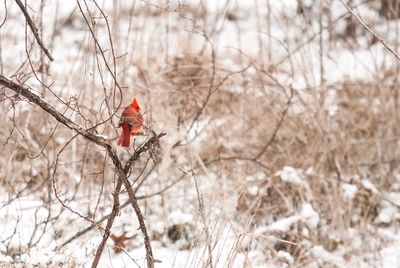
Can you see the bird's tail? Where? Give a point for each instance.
(125, 138)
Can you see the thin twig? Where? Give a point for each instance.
(116, 206)
(34, 29)
(91, 227)
(278, 126)
(380, 39)
(27, 93)
(5, 15)
(101, 141)
(202, 212)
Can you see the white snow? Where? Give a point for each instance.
(282, 225)
(323, 255)
(285, 256)
(5, 258)
(390, 255)
(387, 215)
(340, 64)
(309, 215)
(330, 104)
(254, 190)
(290, 175)
(102, 136)
(306, 214)
(349, 190)
(368, 185)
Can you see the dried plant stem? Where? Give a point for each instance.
(200, 202)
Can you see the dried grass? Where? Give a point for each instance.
(359, 141)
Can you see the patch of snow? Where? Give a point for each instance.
(77, 177)
(394, 197)
(283, 225)
(102, 136)
(5, 259)
(254, 190)
(309, 215)
(310, 171)
(260, 176)
(246, 241)
(386, 215)
(290, 175)
(285, 256)
(349, 190)
(306, 214)
(368, 185)
(390, 256)
(321, 254)
(330, 104)
(305, 232)
(178, 217)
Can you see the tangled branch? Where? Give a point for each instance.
(27, 93)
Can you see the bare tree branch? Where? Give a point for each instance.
(33, 29)
(116, 206)
(391, 50)
(25, 92)
(91, 227)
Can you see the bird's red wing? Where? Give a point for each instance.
(137, 123)
(124, 115)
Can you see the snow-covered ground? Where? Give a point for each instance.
(262, 211)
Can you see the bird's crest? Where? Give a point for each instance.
(135, 105)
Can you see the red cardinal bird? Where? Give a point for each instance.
(131, 121)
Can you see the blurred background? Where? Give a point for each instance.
(282, 122)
